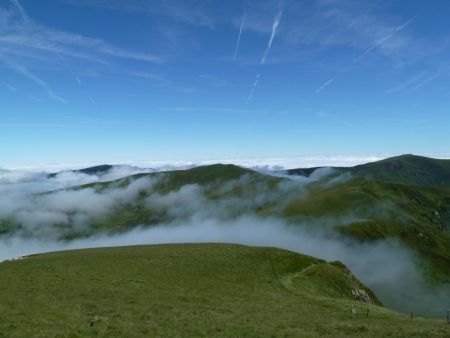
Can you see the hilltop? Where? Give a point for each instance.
(406, 169)
(192, 290)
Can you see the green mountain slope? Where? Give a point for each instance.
(204, 290)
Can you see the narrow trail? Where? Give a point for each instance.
(275, 274)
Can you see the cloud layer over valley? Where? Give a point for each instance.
(246, 210)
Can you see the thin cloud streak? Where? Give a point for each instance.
(25, 72)
(415, 82)
(275, 25)
(252, 92)
(239, 37)
(325, 85)
(20, 10)
(385, 38)
(26, 33)
(10, 87)
(92, 100)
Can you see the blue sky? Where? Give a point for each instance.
(103, 81)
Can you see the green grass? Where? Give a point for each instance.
(207, 290)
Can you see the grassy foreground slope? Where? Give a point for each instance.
(205, 290)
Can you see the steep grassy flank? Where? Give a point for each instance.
(418, 216)
(190, 291)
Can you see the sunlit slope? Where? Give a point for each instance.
(191, 290)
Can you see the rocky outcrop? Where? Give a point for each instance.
(362, 295)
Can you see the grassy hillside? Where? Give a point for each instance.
(206, 290)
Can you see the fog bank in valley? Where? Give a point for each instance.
(389, 269)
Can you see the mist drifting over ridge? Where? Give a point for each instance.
(191, 215)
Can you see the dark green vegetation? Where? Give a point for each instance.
(206, 290)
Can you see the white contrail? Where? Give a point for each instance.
(239, 37)
(385, 38)
(275, 24)
(252, 92)
(325, 85)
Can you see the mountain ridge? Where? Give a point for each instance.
(407, 169)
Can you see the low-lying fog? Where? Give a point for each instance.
(388, 269)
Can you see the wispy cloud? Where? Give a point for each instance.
(20, 10)
(26, 45)
(325, 85)
(21, 35)
(335, 119)
(212, 80)
(9, 86)
(21, 69)
(33, 98)
(255, 84)
(91, 99)
(415, 82)
(218, 110)
(239, 37)
(385, 38)
(157, 79)
(317, 26)
(275, 24)
(182, 11)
